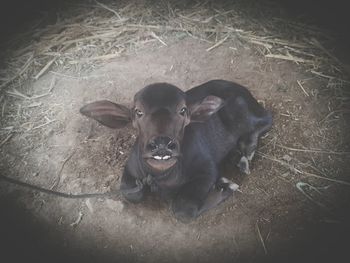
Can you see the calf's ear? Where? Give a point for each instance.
(107, 113)
(201, 111)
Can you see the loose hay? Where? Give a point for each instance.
(92, 33)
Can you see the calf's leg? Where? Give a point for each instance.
(248, 143)
(187, 203)
(247, 146)
(198, 197)
(223, 189)
(132, 189)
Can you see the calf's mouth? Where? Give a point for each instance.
(161, 162)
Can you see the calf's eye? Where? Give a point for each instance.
(138, 113)
(183, 111)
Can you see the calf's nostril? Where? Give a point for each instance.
(152, 146)
(171, 146)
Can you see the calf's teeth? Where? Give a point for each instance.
(165, 157)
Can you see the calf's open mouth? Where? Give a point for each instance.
(160, 157)
(161, 162)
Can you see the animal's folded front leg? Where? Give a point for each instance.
(223, 189)
(201, 194)
(132, 188)
(198, 197)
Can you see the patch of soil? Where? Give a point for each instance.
(270, 220)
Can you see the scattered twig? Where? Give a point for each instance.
(43, 70)
(78, 220)
(328, 77)
(8, 128)
(97, 36)
(312, 150)
(275, 41)
(327, 178)
(40, 95)
(302, 88)
(63, 75)
(20, 72)
(34, 104)
(288, 57)
(265, 45)
(329, 54)
(109, 9)
(218, 43)
(299, 51)
(301, 185)
(42, 125)
(158, 38)
(260, 237)
(332, 113)
(293, 169)
(283, 163)
(3, 109)
(6, 139)
(89, 206)
(103, 57)
(52, 84)
(321, 74)
(15, 93)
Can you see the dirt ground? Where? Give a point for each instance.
(109, 228)
(293, 206)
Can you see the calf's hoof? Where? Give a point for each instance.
(243, 165)
(225, 184)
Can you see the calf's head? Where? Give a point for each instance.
(160, 114)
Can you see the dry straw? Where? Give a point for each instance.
(89, 33)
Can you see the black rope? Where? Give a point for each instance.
(60, 194)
